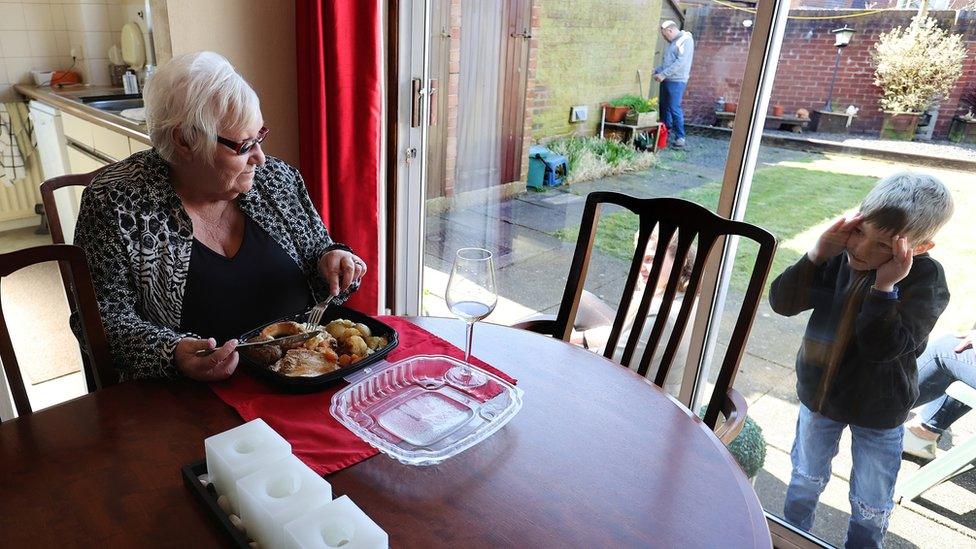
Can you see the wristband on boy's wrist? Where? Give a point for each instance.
(893, 294)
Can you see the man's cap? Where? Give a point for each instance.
(669, 23)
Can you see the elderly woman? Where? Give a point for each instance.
(203, 237)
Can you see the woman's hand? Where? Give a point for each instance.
(341, 269)
(215, 367)
(966, 341)
(833, 241)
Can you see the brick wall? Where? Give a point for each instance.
(806, 62)
(587, 52)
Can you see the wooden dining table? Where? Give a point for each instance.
(597, 457)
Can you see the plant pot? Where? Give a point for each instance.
(831, 122)
(899, 126)
(641, 119)
(730, 106)
(614, 114)
(962, 131)
(777, 110)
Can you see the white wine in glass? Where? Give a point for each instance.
(471, 296)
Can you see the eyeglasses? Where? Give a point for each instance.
(244, 147)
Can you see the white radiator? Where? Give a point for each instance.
(21, 178)
(17, 201)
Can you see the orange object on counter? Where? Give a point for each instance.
(65, 77)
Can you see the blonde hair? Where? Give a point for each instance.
(200, 95)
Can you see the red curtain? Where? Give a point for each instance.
(339, 109)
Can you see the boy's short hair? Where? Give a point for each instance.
(912, 204)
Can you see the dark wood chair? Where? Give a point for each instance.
(51, 206)
(689, 221)
(81, 297)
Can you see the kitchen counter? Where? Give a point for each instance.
(66, 100)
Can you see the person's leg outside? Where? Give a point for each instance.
(676, 92)
(877, 458)
(938, 368)
(816, 443)
(664, 104)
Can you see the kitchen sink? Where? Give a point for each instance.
(113, 103)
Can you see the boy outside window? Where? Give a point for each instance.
(875, 294)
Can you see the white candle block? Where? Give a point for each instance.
(272, 497)
(337, 524)
(234, 454)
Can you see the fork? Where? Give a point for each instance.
(316, 312)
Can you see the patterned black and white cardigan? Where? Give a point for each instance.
(138, 239)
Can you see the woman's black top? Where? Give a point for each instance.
(227, 296)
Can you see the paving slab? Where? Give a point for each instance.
(539, 282)
(509, 243)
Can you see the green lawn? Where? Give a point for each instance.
(785, 200)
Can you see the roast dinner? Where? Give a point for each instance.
(340, 343)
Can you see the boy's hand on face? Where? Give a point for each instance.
(834, 240)
(896, 268)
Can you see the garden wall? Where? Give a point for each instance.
(588, 51)
(806, 62)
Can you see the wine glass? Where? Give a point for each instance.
(471, 296)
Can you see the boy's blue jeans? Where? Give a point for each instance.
(877, 458)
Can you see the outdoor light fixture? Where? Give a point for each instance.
(842, 37)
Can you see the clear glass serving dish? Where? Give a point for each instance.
(413, 413)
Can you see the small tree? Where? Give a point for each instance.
(916, 64)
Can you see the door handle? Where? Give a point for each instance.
(417, 102)
(524, 34)
(432, 90)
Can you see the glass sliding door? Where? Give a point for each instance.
(516, 138)
(810, 171)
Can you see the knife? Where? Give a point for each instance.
(278, 341)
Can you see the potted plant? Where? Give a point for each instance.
(777, 110)
(748, 447)
(616, 110)
(641, 112)
(963, 127)
(914, 65)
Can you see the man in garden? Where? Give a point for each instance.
(673, 76)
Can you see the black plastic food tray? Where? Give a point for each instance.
(208, 497)
(311, 384)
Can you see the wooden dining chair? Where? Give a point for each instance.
(51, 206)
(78, 285)
(689, 221)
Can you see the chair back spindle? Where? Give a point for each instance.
(687, 223)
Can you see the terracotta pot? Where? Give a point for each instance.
(899, 125)
(615, 114)
(730, 106)
(777, 110)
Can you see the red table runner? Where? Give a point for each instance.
(317, 438)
